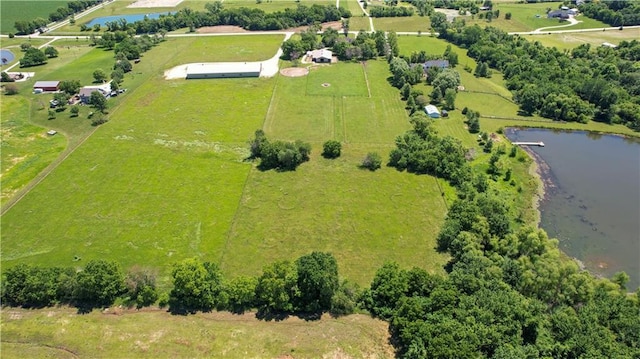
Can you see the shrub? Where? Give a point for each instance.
(331, 149)
(10, 89)
(372, 161)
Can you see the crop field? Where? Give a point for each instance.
(59, 333)
(14, 10)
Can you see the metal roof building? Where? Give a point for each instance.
(223, 70)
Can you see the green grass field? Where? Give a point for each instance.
(595, 38)
(399, 24)
(26, 149)
(14, 10)
(60, 333)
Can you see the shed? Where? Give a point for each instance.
(432, 111)
(322, 56)
(223, 70)
(48, 86)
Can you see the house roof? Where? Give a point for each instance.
(87, 90)
(46, 84)
(321, 54)
(443, 64)
(431, 109)
(223, 68)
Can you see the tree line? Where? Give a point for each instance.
(308, 286)
(602, 84)
(614, 13)
(25, 27)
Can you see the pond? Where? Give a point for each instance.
(131, 18)
(6, 56)
(592, 199)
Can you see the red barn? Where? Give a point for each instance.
(46, 86)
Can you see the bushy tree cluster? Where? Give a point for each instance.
(365, 46)
(309, 285)
(281, 155)
(98, 284)
(253, 19)
(508, 294)
(614, 13)
(422, 150)
(390, 11)
(601, 84)
(33, 57)
(331, 149)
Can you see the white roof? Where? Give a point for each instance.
(46, 84)
(322, 53)
(223, 68)
(431, 109)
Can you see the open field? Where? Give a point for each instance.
(60, 333)
(413, 23)
(528, 17)
(595, 38)
(14, 10)
(26, 149)
(165, 178)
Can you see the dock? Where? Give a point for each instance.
(540, 144)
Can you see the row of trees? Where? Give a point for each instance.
(584, 84)
(390, 11)
(281, 155)
(365, 46)
(248, 18)
(25, 27)
(309, 286)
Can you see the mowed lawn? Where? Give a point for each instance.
(61, 333)
(364, 218)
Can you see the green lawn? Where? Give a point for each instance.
(228, 48)
(25, 149)
(347, 79)
(61, 333)
(595, 38)
(14, 10)
(399, 24)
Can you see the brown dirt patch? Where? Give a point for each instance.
(225, 29)
(294, 71)
(222, 29)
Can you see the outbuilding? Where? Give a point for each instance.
(46, 86)
(432, 111)
(443, 64)
(223, 70)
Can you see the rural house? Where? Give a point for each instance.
(443, 64)
(321, 56)
(432, 111)
(85, 93)
(558, 14)
(46, 86)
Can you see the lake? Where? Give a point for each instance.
(131, 18)
(592, 200)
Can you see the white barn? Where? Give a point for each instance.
(223, 70)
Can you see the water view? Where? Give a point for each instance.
(131, 18)
(592, 201)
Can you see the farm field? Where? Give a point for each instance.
(60, 333)
(14, 10)
(413, 23)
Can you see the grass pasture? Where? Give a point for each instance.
(413, 23)
(595, 38)
(228, 48)
(60, 333)
(14, 10)
(26, 149)
(344, 80)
